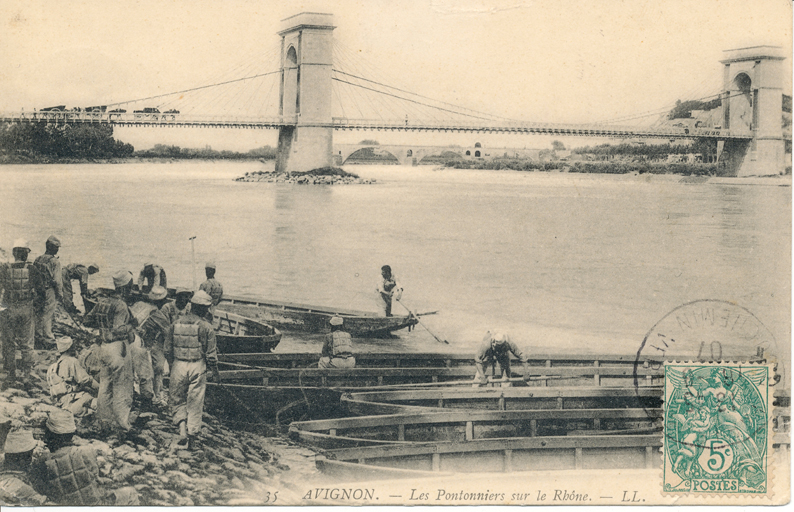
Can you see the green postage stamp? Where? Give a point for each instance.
(716, 428)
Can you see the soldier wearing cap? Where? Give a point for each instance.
(75, 271)
(151, 275)
(70, 385)
(152, 333)
(337, 349)
(117, 329)
(48, 281)
(496, 348)
(68, 474)
(190, 349)
(212, 286)
(180, 306)
(15, 480)
(16, 321)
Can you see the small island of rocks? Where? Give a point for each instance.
(321, 176)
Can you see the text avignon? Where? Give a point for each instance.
(322, 493)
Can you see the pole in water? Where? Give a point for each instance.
(193, 257)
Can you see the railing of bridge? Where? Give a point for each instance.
(588, 130)
(146, 118)
(177, 119)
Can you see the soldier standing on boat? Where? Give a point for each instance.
(49, 291)
(80, 273)
(116, 324)
(389, 289)
(212, 286)
(337, 347)
(496, 348)
(190, 349)
(151, 275)
(16, 321)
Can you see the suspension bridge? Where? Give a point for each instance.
(321, 87)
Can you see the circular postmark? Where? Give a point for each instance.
(715, 417)
(704, 331)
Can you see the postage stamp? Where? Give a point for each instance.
(717, 428)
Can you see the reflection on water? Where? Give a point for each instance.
(565, 262)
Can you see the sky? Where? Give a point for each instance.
(564, 61)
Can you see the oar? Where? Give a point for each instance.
(420, 323)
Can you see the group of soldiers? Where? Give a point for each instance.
(133, 343)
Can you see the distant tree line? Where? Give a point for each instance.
(51, 141)
(649, 151)
(167, 151)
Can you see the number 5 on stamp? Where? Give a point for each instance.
(716, 428)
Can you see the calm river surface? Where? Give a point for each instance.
(565, 263)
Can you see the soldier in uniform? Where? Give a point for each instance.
(212, 286)
(68, 474)
(180, 306)
(337, 347)
(79, 273)
(116, 324)
(16, 322)
(70, 385)
(49, 291)
(15, 481)
(151, 275)
(152, 332)
(190, 349)
(496, 348)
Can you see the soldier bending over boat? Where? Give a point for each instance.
(337, 347)
(496, 348)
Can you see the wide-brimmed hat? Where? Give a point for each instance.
(20, 441)
(158, 293)
(122, 278)
(64, 344)
(21, 243)
(201, 298)
(336, 320)
(61, 421)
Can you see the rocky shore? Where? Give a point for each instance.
(323, 176)
(228, 468)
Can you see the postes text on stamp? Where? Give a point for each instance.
(716, 428)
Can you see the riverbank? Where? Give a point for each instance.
(228, 468)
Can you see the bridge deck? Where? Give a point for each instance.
(183, 120)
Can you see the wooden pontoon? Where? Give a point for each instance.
(238, 334)
(422, 460)
(466, 426)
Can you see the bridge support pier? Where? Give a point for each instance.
(753, 102)
(305, 93)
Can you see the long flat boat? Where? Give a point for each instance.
(464, 426)
(289, 316)
(426, 460)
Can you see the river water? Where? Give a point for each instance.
(563, 262)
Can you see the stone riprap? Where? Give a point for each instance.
(308, 178)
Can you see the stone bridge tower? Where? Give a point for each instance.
(305, 92)
(753, 103)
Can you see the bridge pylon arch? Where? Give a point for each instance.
(752, 102)
(305, 92)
